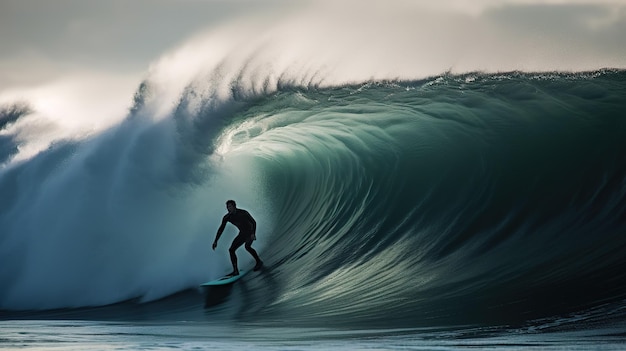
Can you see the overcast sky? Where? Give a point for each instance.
(43, 39)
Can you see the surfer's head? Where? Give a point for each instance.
(231, 206)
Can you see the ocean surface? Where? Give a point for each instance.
(460, 211)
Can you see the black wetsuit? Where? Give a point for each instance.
(247, 227)
(242, 220)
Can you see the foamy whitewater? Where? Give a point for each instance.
(413, 206)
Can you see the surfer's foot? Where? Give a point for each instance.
(258, 266)
(232, 274)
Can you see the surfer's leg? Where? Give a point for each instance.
(237, 242)
(254, 254)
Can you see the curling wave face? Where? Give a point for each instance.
(470, 198)
(467, 198)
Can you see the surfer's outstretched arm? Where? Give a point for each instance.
(220, 230)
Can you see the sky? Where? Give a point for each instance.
(42, 40)
(79, 62)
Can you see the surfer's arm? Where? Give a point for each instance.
(220, 230)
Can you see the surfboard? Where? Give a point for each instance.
(225, 280)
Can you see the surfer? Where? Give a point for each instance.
(247, 234)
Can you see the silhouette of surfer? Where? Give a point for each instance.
(247, 234)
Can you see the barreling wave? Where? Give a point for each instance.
(474, 198)
(459, 199)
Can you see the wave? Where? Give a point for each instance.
(471, 198)
(468, 198)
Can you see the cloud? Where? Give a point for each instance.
(49, 39)
(561, 37)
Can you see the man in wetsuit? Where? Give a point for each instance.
(247, 234)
